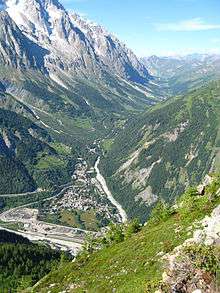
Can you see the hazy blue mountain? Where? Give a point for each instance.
(184, 73)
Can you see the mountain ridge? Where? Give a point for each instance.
(48, 23)
(174, 141)
(184, 73)
(16, 49)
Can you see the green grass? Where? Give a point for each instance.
(83, 123)
(78, 219)
(61, 148)
(89, 220)
(11, 226)
(130, 265)
(106, 144)
(69, 218)
(50, 162)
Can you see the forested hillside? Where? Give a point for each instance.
(23, 263)
(171, 146)
(29, 158)
(8, 237)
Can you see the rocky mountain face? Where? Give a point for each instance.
(48, 24)
(15, 48)
(51, 62)
(72, 43)
(113, 53)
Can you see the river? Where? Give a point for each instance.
(103, 183)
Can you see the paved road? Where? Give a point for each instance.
(33, 192)
(73, 244)
(21, 194)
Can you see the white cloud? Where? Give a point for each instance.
(195, 24)
(215, 41)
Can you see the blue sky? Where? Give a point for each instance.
(161, 27)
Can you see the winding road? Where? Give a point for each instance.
(21, 194)
(104, 186)
(29, 193)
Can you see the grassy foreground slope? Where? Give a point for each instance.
(135, 263)
(170, 147)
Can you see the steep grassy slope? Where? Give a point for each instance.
(28, 156)
(171, 146)
(135, 264)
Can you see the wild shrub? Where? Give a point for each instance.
(161, 212)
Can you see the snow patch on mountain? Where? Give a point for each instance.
(72, 44)
(58, 80)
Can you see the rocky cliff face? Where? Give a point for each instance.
(47, 24)
(15, 48)
(113, 53)
(73, 44)
(71, 57)
(191, 266)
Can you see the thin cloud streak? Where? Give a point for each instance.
(195, 24)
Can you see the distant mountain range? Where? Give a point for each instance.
(184, 72)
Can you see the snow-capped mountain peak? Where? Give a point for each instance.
(111, 50)
(40, 19)
(73, 43)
